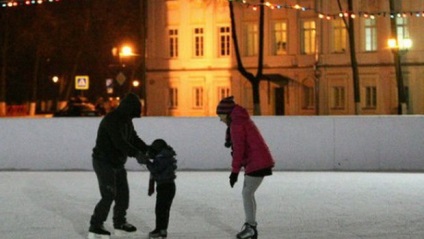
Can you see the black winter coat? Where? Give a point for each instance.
(163, 167)
(116, 137)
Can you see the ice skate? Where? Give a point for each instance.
(158, 234)
(98, 232)
(124, 229)
(248, 232)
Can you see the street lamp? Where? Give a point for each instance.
(55, 79)
(58, 85)
(125, 51)
(400, 47)
(135, 83)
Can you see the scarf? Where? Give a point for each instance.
(228, 142)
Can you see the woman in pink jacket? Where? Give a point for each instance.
(250, 152)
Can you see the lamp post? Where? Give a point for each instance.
(55, 80)
(126, 56)
(137, 81)
(399, 47)
(317, 77)
(58, 85)
(123, 52)
(135, 84)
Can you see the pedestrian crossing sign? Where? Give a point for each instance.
(81, 82)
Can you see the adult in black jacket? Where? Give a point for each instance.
(116, 140)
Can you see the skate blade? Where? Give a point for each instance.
(247, 236)
(97, 236)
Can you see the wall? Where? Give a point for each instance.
(380, 143)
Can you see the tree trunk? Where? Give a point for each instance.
(143, 40)
(254, 80)
(402, 106)
(3, 75)
(259, 74)
(355, 73)
(256, 100)
(354, 64)
(70, 86)
(33, 98)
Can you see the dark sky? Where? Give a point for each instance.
(66, 38)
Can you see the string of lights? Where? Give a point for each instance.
(330, 16)
(254, 6)
(16, 3)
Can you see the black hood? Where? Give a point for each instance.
(159, 146)
(130, 106)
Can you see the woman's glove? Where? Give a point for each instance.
(233, 179)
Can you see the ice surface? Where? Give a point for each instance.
(298, 205)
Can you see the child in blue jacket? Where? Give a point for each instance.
(162, 172)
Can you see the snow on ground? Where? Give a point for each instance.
(298, 205)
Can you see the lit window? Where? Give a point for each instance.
(279, 44)
(339, 36)
(370, 31)
(402, 28)
(308, 37)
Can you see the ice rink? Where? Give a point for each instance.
(309, 205)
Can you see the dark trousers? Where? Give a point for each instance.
(164, 197)
(113, 185)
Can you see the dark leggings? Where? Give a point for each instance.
(113, 185)
(164, 197)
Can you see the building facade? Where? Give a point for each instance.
(191, 64)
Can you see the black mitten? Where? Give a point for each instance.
(151, 187)
(233, 179)
(141, 158)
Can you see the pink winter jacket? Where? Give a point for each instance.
(249, 148)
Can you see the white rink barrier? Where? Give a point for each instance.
(298, 143)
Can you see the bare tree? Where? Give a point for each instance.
(354, 64)
(37, 34)
(253, 79)
(402, 105)
(140, 69)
